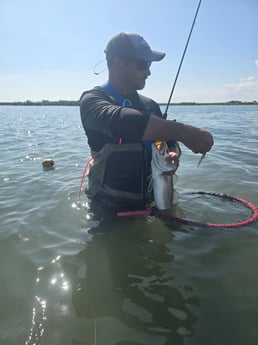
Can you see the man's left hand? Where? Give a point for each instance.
(172, 157)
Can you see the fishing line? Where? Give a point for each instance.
(181, 62)
(224, 197)
(89, 162)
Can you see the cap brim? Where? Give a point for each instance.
(157, 56)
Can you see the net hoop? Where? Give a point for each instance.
(166, 215)
(244, 202)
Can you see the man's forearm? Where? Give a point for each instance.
(196, 139)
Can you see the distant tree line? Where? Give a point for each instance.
(76, 103)
(43, 102)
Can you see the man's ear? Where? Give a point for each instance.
(118, 63)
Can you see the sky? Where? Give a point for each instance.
(50, 49)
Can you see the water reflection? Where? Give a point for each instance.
(52, 288)
(38, 321)
(130, 287)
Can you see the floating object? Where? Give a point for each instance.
(48, 164)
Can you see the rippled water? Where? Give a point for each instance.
(66, 279)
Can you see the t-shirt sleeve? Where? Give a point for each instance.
(99, 112)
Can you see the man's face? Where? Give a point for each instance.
(135, 73)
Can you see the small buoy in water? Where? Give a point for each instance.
(48, 164)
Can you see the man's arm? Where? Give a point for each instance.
(100, 113)
(196, 139)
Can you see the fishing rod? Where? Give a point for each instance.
(181, 62)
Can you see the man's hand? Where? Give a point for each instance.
(198, 140)
(172, 157)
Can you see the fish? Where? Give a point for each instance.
(162, 183)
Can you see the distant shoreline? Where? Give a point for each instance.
(76, 103)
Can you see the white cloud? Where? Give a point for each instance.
(249, 79)
(256, 62)
(244, 90)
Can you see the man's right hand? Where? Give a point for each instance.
(198, 140)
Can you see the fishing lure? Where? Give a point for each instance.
(201, 159)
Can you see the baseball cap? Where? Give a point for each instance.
(131, 46)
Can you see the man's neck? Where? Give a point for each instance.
(120, 86)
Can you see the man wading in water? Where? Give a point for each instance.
(120, 125)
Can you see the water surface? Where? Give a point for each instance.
(67, 279)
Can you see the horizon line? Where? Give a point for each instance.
(73, 102)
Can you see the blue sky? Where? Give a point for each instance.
(49, 47)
